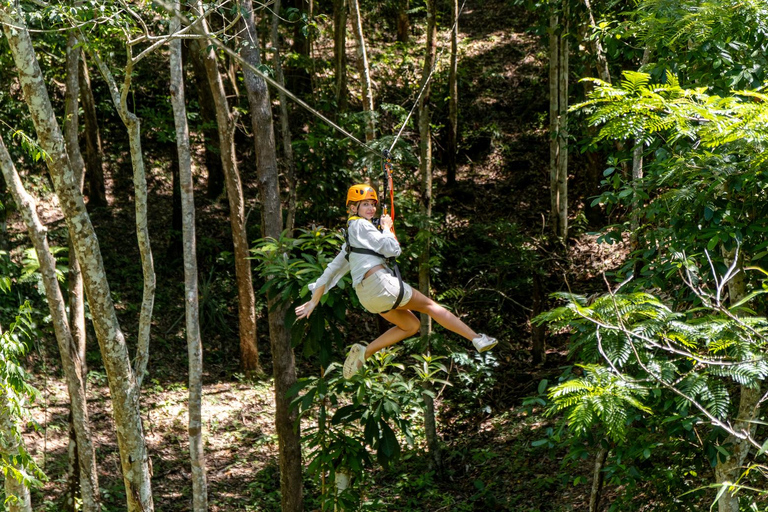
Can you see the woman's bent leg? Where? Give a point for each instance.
(423, 304)
(406, 325)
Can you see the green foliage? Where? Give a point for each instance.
(653, 377)
(288, 265)
(720, 44)
(599, 396)
(16, 393)
(363, 413)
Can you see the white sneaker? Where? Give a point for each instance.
(484, 343)
(355, 361)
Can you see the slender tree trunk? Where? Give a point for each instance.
(124, 392)
(558, 124)
(133, 125)
(216, 180)
(75, 285)
(285, 128)
(284, 368)
(299, 78)
(597, 479)
(194, 342)
(453, 99)
(425, 170)
(97, 191)
(10, 445)
(637, 177)
(340, 52)
(729, 470)
(249, 355)
(364, 70)
(403, 23)
(597, 48)
(538, 331)
(175, 238)
(70, 357)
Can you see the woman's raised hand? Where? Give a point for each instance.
(305, 310)
(386, 222)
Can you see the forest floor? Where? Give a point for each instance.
(491, 462)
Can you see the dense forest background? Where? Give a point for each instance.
(583, 180)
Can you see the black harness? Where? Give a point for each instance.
(391, 262)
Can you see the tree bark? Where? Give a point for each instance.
(597, 479)
(97, 192)
(194, 342)
(175, 237)
(453, 99)
(403, 23)
(340, 52)
(637, 177)
(729, 470)
(10, 444)
(538, 331)
(299, 79)
(425, 170)
(75, 286)
(216, 180)
(133, 125)
(364, 70)
(285, 128)
(284, 368)
(70, 357)
(597, 48)
(249, 355)
(122, 384)
(558, 123)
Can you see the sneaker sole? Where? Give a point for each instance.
(487, 347)
(353, 362)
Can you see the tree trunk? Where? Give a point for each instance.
(249, 355)
(558, 124)
(285, 128)
(133, 125)
(122, 384)
(299, 79)
(538, 331)
(213, 164)
(175, 238)
(637, 177)
(194, 343)
(340, 52)
(284, 368)
(403, 23)
(453, 99)
(97, 192)
(597, 48)
(597, 479)
(9, 443)
(729, 470)
(75, 288)
(364, 70)
(425, 169)
(70, 358)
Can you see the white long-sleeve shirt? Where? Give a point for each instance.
(363, 234)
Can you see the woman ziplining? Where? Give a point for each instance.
(380, 289)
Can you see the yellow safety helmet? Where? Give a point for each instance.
(361, 192)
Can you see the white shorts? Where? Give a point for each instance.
(378, 291)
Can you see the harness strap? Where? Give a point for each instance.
(392, 262)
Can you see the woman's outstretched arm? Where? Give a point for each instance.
(306, 309)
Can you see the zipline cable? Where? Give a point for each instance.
(269, 80)
(426, 82)
(387, 153)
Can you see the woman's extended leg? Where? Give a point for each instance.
(406, 325)
(423, 304)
